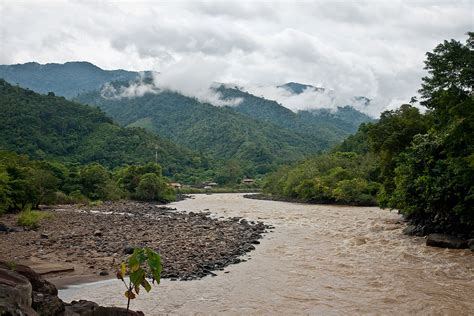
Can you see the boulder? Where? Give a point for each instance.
(47, 304)
(3, 228)
(15, 294)
(38, 283)
(445, 241)
(81, 307)
(88, 308)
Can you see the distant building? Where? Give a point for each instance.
(175, 185)
(248, 181)
(209, 183)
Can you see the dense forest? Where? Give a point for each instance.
(218, 131)
(329, 126)
(50, 127)
(67, 80)
(26, 183)
(421, 164)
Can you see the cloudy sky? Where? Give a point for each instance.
(370, 48)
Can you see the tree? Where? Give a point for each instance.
(94, 179)
(153, 188)
(435, 175)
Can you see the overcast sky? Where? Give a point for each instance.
(370, 48)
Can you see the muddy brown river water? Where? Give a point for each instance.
(319, 260)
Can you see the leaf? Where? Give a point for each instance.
(146, 285)
(137, 277)
(129, 294)
(154, 262)
(137, 289)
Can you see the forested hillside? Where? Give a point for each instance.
(68, 79)
(46, 126)
(324, 124)
(219, 131)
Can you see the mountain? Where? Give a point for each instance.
(298, 88)
(46, 126)
(68, 79)
(259, 133)
(331, 126)
(220, 131)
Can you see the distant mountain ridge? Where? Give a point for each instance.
(258, 132)
(298, 88)
(332, 126)
(67, 80)
(219, 131)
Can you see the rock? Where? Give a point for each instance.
(115, 311)
(470, 244)
(38, 283)
(98, 233)
(16, 229)
(3, 228)
(104, 272)
(44, 236)
(128, 250)
(81, 307)
(410, 230)
(445, 241)
(15, 294)
(88, 308)
(47, 304)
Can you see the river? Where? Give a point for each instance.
(319, 259)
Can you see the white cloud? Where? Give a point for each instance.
(365, 47)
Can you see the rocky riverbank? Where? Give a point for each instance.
(88, 241)
(25, 292)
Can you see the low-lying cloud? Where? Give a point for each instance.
(368, 48)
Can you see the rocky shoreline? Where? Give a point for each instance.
(93, 241)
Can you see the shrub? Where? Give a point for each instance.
(154, 188)
(31, 219)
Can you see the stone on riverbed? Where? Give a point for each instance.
(445, 241)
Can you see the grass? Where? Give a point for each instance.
(31, 219)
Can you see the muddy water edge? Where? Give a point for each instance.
(319, 259)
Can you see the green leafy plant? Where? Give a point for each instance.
(142, 260)
(31, 219)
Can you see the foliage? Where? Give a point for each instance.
(434, 176)
(423, 164)
(347, 178)
(153, 188)
(136, 267)
(53, 128)
(323, 126)
(67, 80)
(31, 219)
(31, 182)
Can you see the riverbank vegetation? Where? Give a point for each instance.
(419, 163)
(27, 183)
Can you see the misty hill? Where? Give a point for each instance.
(298, 88)
(219, 131)
(68, 79)
(51, 127)
(332, 126)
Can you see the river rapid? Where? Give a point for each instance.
(319, 259)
